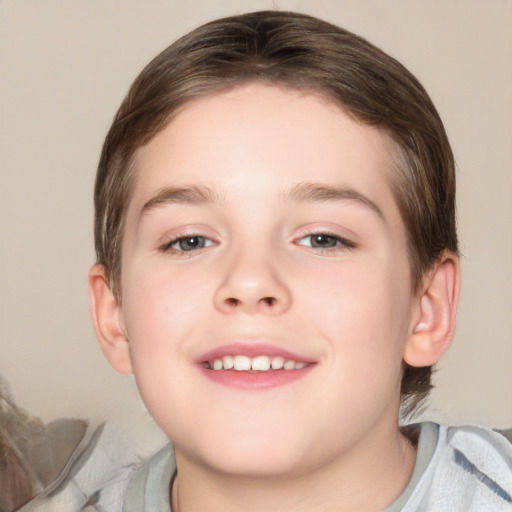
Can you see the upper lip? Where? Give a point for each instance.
(251, 349)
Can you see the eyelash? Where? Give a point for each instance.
(342, 243)
(168, 246)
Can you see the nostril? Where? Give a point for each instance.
(232, 302)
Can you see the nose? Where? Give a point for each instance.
(253, 284)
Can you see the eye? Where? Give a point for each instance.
(321, 240)
(187, 243)
(325, 241)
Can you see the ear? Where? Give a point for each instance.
(433, 323)
(107, 318)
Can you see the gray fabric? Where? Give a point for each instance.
(506, 433)
(149, 491)
(427, 442)
(32, 454)
(63, 466)
(95, 478)
(470, 471)
(458, 469)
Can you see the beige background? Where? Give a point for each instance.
(65, 66)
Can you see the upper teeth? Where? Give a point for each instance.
(258, 363)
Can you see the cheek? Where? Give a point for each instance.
(363, 311)
(362, 319)
(161, 306)
(163, 310)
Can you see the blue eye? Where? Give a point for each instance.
(325, 241)
(322, 240)
(187, 243)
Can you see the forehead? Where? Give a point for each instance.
(286, 133)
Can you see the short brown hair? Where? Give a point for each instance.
(300, 52)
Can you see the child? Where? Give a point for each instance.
(277, 265)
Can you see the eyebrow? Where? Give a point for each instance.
(317, 192)
(192, 194)
(302, 192)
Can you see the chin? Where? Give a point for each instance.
(248, 456)
(255, 464)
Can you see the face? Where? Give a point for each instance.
(262, 234)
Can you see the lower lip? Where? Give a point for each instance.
(255, 380)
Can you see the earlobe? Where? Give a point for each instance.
(108, 323)
(433, 325)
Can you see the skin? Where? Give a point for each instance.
(328, 440)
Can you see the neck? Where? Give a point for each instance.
(369, 477)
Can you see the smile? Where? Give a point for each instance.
(253, 366)
(261, 363)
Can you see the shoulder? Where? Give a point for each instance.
(481, 452)
(149, 489)
(471, 469)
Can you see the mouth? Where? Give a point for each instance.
(253, 367)
(261, 363)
